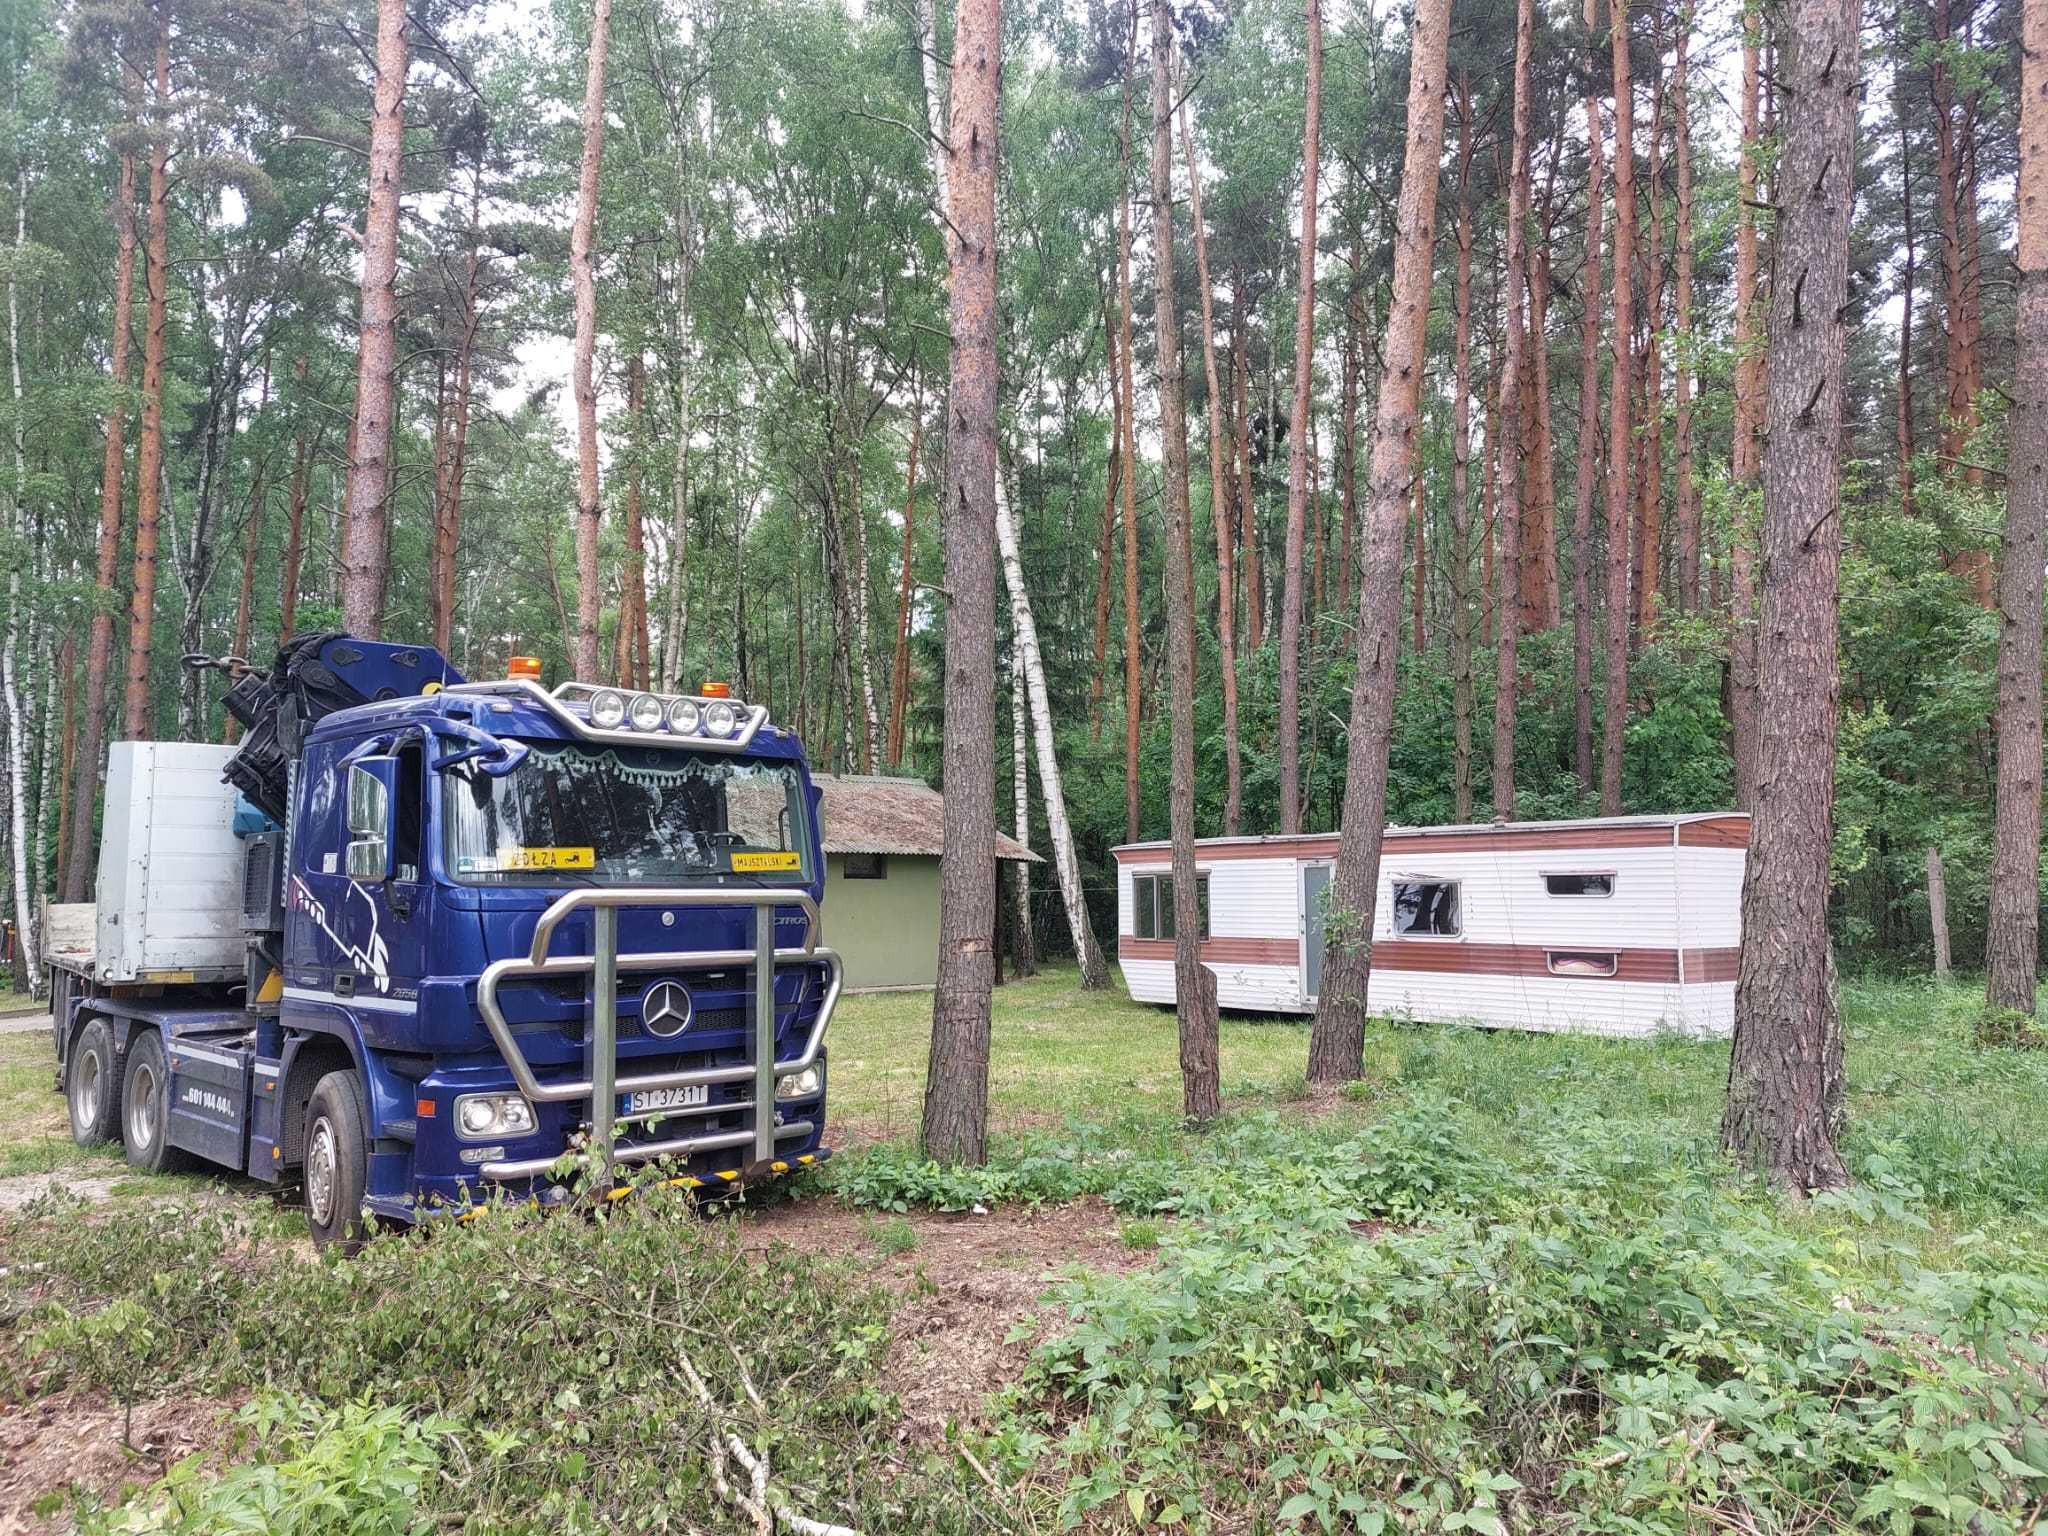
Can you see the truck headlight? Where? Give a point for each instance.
(607, 710)
(807, 1084)
(487, 1116)
(646, 712)
(684, 716)
(720, 718)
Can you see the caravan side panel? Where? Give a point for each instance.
(1254, 943)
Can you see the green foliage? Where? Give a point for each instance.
(2007, 1029)
(353, 1471)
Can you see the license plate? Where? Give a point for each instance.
(653, 1100)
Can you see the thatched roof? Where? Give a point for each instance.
(868, 813)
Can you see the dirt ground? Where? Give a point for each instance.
(962, 1288)
(69, 1441)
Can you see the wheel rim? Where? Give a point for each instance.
(143, 1094)
(321, 1159)
(86, 1088)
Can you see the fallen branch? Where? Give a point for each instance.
(760, 1502)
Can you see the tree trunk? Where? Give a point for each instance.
(583, 278)
(1587, 448)
(448, 486)
(67, 764)
(1247, 503)
(295, 526)
(1506, 654)
(1194, 983)
(1297, 441)
(1785, 1068)
(149, 449)
(1955, 188)
(899, 680)
(1540, 608)
(1066, 862)
(1354, 362)
(1462, 617)
(1619, 435)
(245, 594)
(1020, 795)
(1219, 502)
(1650, 485)
(1907, 294)
(954, 1128)
(77, 881)
(363, 557)
(2012, 941)
(1937, 912)
(1746, 450)
(27, 905)
(1131, 653)
(1337, 1043)
(1105, 554)
(1418, 584)
(1687, 492)
(633, 578)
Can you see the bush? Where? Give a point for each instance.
(2006, 1029)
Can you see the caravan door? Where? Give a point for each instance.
(1315, 901)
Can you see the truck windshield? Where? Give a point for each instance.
(578, 815)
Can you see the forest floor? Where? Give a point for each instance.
(1503, 1283)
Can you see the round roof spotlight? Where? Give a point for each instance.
(685, 717)
(607, 710)
(645, 712)
(720, 718)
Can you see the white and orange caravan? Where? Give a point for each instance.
(1629, 925)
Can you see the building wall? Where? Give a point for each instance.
(887, 930)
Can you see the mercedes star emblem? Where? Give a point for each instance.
(665, 1009)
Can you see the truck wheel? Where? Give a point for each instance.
(146, 1107)
(337, 1163)
(92, 1085)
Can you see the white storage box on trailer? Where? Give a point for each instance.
(170, 879)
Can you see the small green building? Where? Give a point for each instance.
(882, 839)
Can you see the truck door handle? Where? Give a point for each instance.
(344, 984)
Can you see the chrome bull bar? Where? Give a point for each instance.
(603, 1086)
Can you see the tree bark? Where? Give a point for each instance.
(295, 525)
(2012, 942)
(1354, 361)
(1020, 797)
(1746, 451)
(1785, 1070)
(633, 578)
(1219, 501)
(1619, 435)
(1907, 292)
(1688, 496)
(1419, 576)
(1132, 684)
(1194, 983)
(1650, 483)
(1462, 616)
(77, 880)
(1297, 440)
(1956, 201)
(1937, 912)
(1247, 501)
(364, 559)
(583, 278)
(27, 891)
(954, 1127)
(149, 448)
(1337, 1042)
(1587, 446)
(1506, 652)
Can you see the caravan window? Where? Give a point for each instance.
(1574, 962)
(1426, 908)
(1152, 905)
(1580, 885)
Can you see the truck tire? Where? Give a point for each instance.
(92, 1085)
(337, 1163)
(146, 1107)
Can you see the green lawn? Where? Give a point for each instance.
(1505, 1283)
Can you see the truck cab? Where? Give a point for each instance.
(493, 937)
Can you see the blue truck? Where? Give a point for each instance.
(416, 939)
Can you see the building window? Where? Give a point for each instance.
(1579, 884)
(867, 866)
(1152, 905)
(1426, 908)
(1574, 962)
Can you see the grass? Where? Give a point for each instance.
(1505, 1282)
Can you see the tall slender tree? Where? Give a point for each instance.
(583, 278)
(1337, 1042)
(1620, 436)
(954, 1128)
(1785, 1072)
(1194, 983)
(1298, 439)
(2012, 942)
(365, 549)
(1746, 449)
(1588, 454)
(1513, 404)
(149, 447)
(1686, 492)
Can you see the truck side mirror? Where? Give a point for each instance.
(371, 785)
